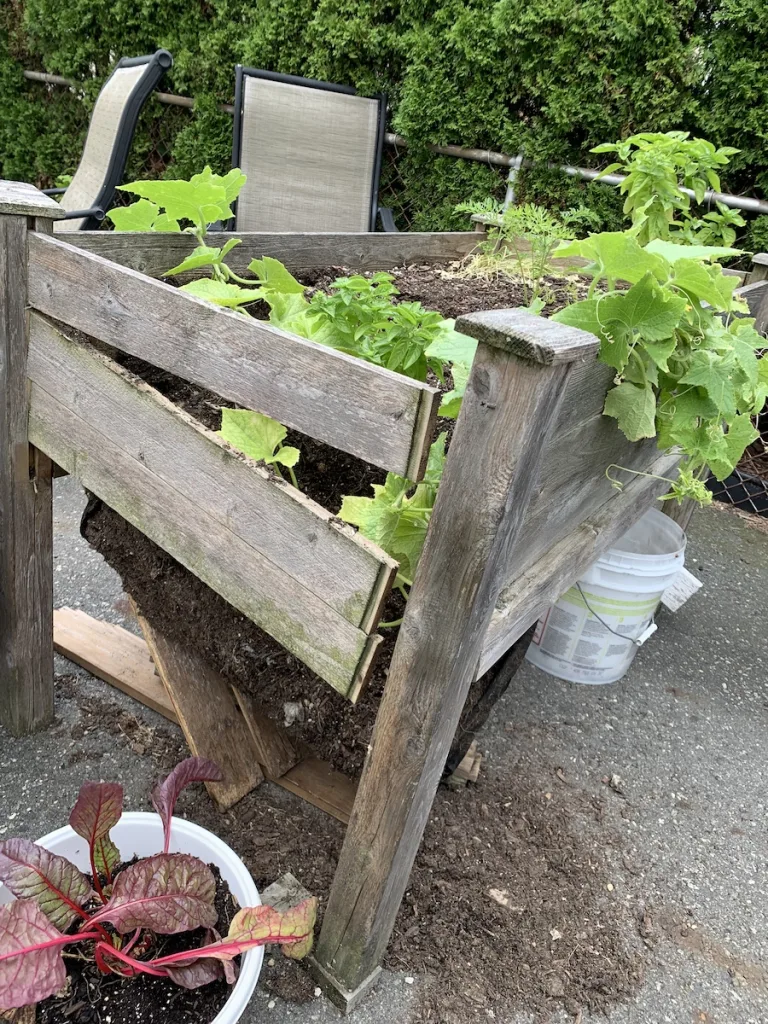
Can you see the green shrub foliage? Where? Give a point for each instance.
(553, 77)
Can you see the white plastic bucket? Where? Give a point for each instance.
(590, 635)
(140, 834)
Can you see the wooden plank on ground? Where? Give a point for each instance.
(286, 892)
(208, 715)
(153, 253)
(113, 654)
(124, 660)
(265, 548)
(274, 750)
(380, 416)
(527, 594)
(320, 784)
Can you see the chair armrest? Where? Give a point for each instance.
(93, 211)
(53, 191)
(387, 219)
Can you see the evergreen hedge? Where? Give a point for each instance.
(552, 77)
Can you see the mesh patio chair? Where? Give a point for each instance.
(311, 152)
(110, 133)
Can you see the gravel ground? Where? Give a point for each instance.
(684, 732)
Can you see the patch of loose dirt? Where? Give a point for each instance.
(511, 907)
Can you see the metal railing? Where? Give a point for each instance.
(485, 156)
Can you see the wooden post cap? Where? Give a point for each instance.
(531, 338)
(23, 200)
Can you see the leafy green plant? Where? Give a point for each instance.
(397, 516)
(718, 227)
(520, 242)
(687, 370)
(57, 905)
(658, 165)
(260, 438)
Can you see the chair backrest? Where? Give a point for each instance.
(110, 134)
(311, 153)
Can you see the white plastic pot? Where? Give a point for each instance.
(140, 834)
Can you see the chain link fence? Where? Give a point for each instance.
(165, 116)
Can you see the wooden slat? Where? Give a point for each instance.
(171, 479)
(153, 253)
(573, 483)
(112, 653)
(23, 200)
(26, 518)
(323, 555)
(274, 750)
(124, 660)
(529, 593)
(208, 715)
(380, 416)
(320, 784)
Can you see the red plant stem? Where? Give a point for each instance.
(132, 942)
(136, 965)
(231, 948)
(62, 940)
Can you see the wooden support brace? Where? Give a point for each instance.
(208, 715)
(515, 389)
(26, 516)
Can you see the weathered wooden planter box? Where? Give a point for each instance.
(524, 506)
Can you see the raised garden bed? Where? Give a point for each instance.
(524, 507)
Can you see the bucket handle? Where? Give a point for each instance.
(638, 642)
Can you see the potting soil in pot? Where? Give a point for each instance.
(91, 997)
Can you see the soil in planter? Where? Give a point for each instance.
(178, 604)
(96, 998)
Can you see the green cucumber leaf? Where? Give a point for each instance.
(672, 251)
(255, 435)
(139, 216)
(221, 293)
(634, 408)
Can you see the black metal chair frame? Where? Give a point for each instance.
(157, 64)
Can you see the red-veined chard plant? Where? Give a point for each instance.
(115, 915)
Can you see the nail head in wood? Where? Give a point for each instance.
(531, 338)
(23, 200)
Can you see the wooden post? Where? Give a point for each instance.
(515, 389)
(26, 560)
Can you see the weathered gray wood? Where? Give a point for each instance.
(22, 200)
(26, 527)
(755, 294)
(285, 893)
(529, 592)
(138, 453)
(759, 271)
(509, 408)
(323, 555)
(573, 481)
(208, 715)
(531, 338)
(274, 750)
(360, 408)
(154, 253)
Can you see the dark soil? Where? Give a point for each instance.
(91, 997)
